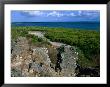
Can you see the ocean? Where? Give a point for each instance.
(78, 25)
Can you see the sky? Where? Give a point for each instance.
(54, 15)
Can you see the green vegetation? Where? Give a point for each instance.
(34, 39)
(15, 33)
(87, 41)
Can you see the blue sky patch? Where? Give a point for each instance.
(54, 15)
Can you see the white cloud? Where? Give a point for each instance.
(55, 13)
(61, 14)
(72, 14)
(88, 13)
(91, 13)
(33, 13)
(79, 13)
